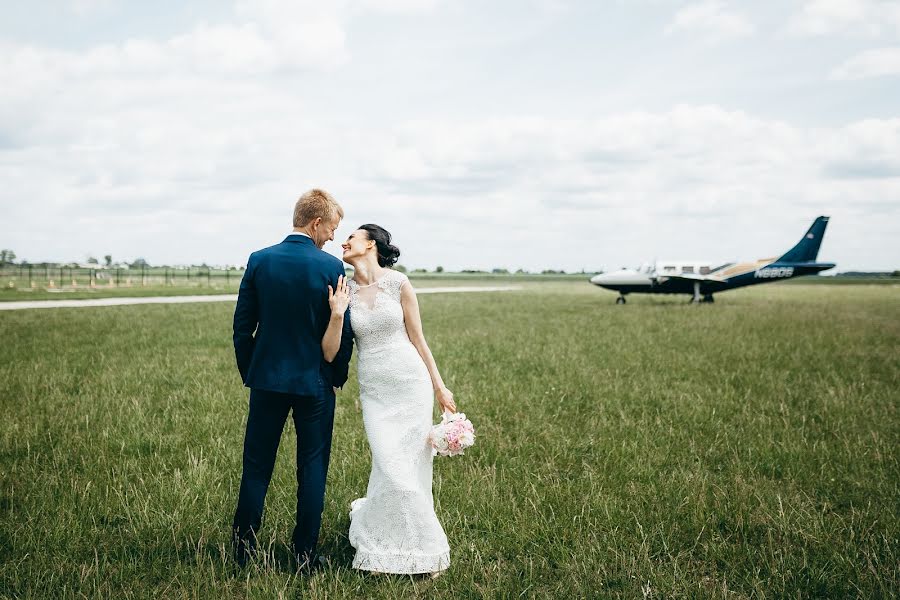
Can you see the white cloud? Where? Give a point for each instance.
(712, 19)
(581, 184)
(267, 36)
(866, 17)
(177, 166)
(866, 151)
(878, 62)
(207, 50)
(591, 188)
(194, 147)
(398, 6)
(84, 7)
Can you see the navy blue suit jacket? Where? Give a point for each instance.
(281, 316)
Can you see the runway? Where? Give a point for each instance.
(92, 302)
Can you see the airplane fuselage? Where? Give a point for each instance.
(700, 280)
(630, 281)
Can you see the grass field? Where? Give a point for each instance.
(746, 449)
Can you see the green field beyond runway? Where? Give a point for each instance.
(658, 449)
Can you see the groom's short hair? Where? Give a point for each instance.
(316, 203)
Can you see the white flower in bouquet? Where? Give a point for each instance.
(452, 435)
(440, 443)
(466, 439)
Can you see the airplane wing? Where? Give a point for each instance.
(691, 277)
(709, 282)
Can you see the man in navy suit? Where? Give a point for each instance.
(281, 316)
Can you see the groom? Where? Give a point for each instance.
(281, 316)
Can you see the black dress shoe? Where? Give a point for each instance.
(244, 551)
(308, 566)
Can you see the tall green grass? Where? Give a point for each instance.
(657, 449)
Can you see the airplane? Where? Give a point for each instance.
(701, 282)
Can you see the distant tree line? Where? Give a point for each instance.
(8, 259)
(895, 273)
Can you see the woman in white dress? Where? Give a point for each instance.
(394, 528)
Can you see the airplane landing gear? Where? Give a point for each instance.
(697, 298)
(620, 300)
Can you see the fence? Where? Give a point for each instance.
(60, 276)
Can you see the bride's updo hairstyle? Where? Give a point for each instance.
(387, 253)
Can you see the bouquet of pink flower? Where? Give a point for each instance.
(452, 435)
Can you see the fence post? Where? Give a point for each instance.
(208, 284)
(30, 277)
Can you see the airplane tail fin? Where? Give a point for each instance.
(807, 249)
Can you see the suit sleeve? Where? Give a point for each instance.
(341, 362)
(246, 318)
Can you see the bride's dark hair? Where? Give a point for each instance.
(387, 253)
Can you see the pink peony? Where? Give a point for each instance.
(452, 435)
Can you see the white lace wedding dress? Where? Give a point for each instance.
(394, 528)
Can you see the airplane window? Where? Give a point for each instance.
(704, 270)
(669, 269)
(687, 269)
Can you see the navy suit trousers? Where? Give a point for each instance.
(314, 421)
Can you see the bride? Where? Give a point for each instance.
(394, 528)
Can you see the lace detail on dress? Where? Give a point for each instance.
(388, 285)
(394, 528)
(391, 283)
(378, 321)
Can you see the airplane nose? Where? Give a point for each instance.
(618, 278)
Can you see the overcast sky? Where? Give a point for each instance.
(529, 133)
